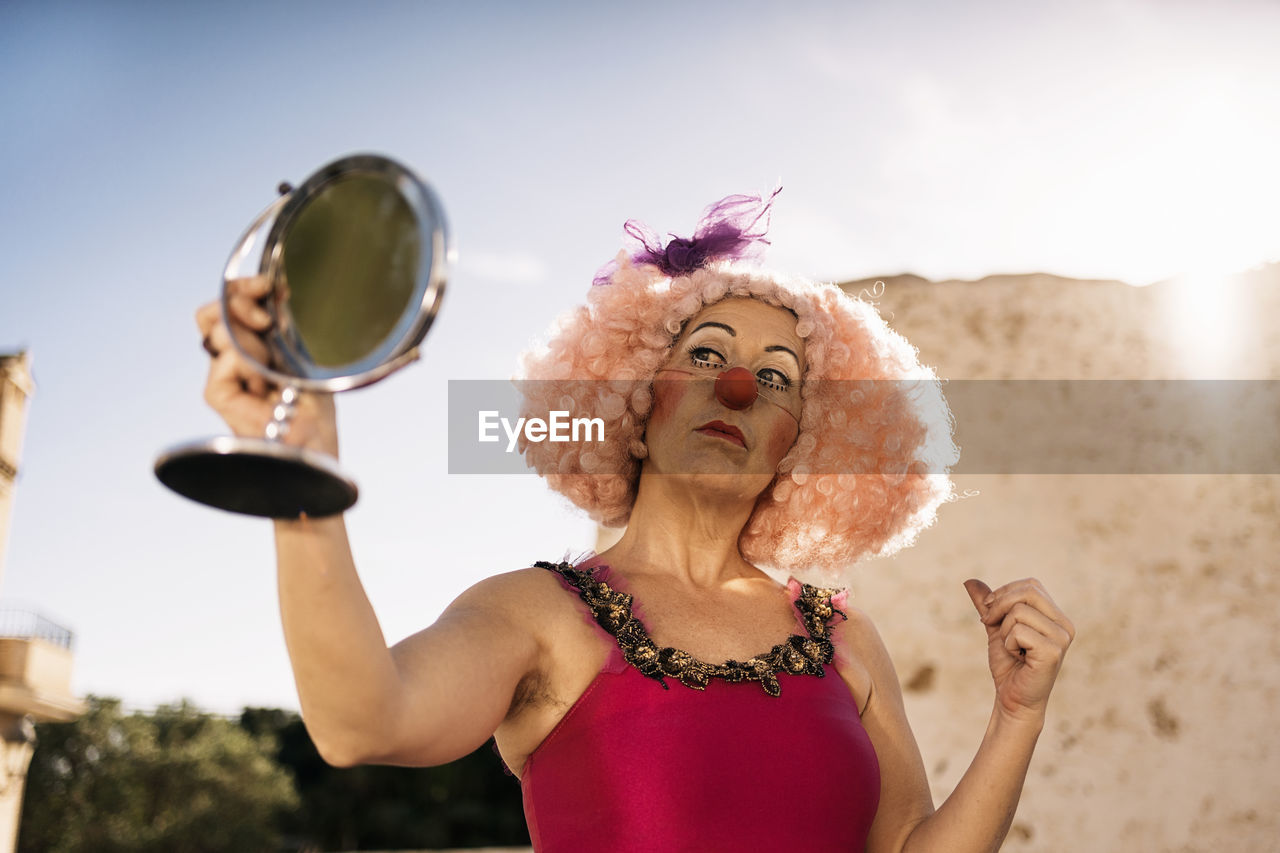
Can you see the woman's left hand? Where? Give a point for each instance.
(1027, 638)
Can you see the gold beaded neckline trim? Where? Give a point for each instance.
(798, 655)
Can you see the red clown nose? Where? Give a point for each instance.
(736, 388)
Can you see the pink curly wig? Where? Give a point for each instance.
(869, 466)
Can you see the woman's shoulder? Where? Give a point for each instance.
(860, 656)
(858, 634)
(859, 640)
(532, 592)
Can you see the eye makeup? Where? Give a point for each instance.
(771, 378)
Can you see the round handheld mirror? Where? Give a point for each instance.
(357, 258)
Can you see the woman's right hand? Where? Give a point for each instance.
(237, 391)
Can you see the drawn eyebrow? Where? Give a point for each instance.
(728, 329)
(733, 334)
(787, 350)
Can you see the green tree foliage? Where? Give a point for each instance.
(184, 781)
(468, 803)
(175, 780)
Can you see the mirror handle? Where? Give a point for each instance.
(282, 414)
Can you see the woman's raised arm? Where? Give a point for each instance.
(431, 699)
(1027, 636)
(437, 695)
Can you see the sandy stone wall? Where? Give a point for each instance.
(1161, 734)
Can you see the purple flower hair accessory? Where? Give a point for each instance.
(732, 228)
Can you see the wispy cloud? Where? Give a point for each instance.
(514, 268)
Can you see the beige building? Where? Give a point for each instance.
(35, 654)
(1161, 734)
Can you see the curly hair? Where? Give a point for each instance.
(867, 470)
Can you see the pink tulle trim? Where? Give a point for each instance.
(603, 572)
(840, 601)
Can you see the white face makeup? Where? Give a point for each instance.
(712, 346)
(692, 430)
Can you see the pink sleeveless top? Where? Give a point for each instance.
(664, 752)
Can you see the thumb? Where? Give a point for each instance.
(978, 592)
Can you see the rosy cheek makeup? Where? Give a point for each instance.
(779, 439)
(667, 396)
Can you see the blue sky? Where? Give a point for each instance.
(1100, 139)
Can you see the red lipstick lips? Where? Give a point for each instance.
(723, 430)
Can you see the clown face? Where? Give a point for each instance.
(727, 401)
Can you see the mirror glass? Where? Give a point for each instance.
(349, 271)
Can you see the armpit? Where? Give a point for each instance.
(532, 691)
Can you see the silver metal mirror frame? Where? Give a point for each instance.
(402, 346)
(278, 480)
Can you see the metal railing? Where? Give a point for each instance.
(29, 625)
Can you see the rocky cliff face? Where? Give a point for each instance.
(1161, 733)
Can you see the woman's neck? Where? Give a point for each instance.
(684, 531)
